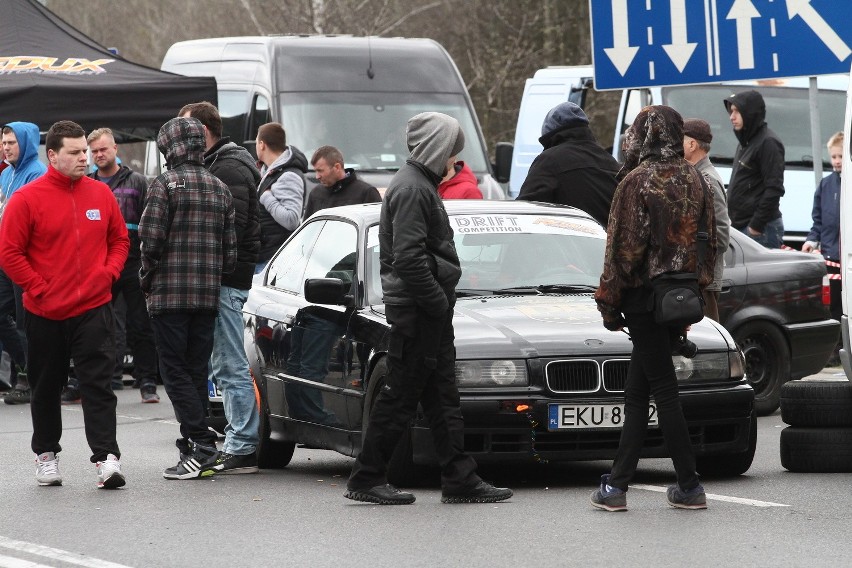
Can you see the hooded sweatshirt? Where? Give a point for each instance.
(187, 227)
(28, 167)
(654, 217)
(757, 178)
(281, 206)
(419, 264)
(64, 242)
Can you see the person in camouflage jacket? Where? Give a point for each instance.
(652, 230)
(188, 242)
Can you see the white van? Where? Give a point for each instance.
(846, 238)
(354, 93)
(788, 114)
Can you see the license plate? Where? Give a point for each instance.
(213, 392)
(568, 416)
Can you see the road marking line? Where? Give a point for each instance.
(130, 417)
(12, 562)
(53, 553)
(739, 500)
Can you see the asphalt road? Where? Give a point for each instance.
(298, 516)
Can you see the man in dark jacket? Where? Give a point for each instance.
(129, 189)
(188, 243)
(419, 272)
(757, 178)
(339, 185)
(229, 367)
(281, 191)
(573, 169)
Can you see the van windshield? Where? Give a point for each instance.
(787, 114)
(369, 128)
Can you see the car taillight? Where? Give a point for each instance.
(826, 291)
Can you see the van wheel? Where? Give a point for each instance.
(402, 471)
(817, 403)
(767, 363)
(271, 454)
(730, 465)
(816, 450)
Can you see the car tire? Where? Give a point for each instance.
(271, 454)
(820, 403)
(767, 362)
(402, 471)
(816, 450)
(730, 465)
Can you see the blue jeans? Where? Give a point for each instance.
(773, 234)
(229, 369)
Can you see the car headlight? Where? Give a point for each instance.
(708, 366)
(491, 373)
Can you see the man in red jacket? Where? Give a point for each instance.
(63, 240)
(459, 183)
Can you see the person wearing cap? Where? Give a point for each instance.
(696, 145)
(419, 272)
(573, 169)
(757, 178)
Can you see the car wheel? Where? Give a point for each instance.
(816, 450)
(402, 471)
(729, 465)
(271, 454)
(767, 363)
(817, 403)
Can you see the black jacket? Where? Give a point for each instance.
(129, 189)
(419, 264)
(757, 178)
(573, 170)
(233, 165)
(348, 191)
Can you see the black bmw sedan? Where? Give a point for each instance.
(540, 377)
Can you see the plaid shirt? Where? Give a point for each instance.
(187, 227)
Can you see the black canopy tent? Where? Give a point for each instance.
(50, 71)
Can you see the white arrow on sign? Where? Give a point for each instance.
(743, 11)
(621, 54)
(820, 27)
(679, 50)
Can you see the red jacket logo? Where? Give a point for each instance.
(71, 66)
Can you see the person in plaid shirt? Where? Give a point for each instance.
(188, 242)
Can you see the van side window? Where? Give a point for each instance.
(233, 108)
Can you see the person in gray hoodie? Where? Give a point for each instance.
(419, 271)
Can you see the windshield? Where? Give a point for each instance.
(787, 114)
(509, 253)
(369, 128)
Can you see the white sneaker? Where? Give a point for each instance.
(47, 469)
(109, 473)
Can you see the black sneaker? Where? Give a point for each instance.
(17, 396)
(381, 495)
(149, 393)
(609, 498)
(117, 384)
(71, 395)
(201, 463)
(232, 464)
(695, 498)
(482, 492)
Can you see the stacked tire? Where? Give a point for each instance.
(819, 436)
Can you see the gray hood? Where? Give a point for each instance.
(431, 138)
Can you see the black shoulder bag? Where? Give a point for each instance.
(677, 298)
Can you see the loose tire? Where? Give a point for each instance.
(271, 454)
(816, 450)
(767, 361)
(817, 403)
(730, 465)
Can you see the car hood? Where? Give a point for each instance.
(549, 326)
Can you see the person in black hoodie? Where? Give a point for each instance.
(757, 178)
(229, 367)
(573, 169)
(419, 272)
(129, 189)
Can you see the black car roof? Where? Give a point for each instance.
(368, 213)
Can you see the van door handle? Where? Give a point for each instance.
(726, 286)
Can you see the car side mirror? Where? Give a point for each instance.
(503, 161)
(329, 291)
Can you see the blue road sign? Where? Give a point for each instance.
(642, 43)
